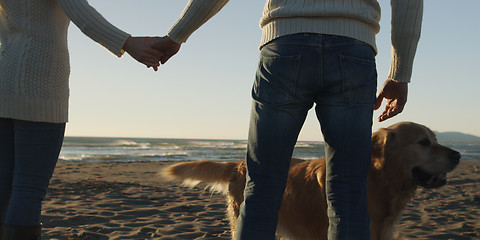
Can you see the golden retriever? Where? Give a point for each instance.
(405, 155)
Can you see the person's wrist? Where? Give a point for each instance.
(173, 40)
(126, 44)
(396, 81)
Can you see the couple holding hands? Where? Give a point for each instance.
(313, 52)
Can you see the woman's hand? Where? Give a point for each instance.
(140, 48)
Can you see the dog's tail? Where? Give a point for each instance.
(215, 174)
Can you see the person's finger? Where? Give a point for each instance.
(165, 58)
(386, 111)
(391, 111)
(155, 68)
(155, 52)
(382, 116)
(151, 57)
(378, 101)
(152, 60)
(395, 111)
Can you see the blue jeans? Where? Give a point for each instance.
(339, 75)
(28, 155)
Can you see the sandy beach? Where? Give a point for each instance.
(132, 201)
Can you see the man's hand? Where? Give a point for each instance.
(140, 48)
(167, 47)
(396, 95)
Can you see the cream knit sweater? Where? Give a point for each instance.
(34, 61)
(357, 19)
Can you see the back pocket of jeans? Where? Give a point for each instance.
(359, 79)
(276, 80)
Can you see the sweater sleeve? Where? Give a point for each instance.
(94, 25)
(406, 27)
(195, 14)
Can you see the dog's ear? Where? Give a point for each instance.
(382, 140)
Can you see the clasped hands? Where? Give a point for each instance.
(151, 51)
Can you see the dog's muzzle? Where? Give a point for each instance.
(428, 180)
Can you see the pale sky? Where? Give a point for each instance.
(204, 91)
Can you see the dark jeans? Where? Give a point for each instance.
(338, 74)
(28, 155)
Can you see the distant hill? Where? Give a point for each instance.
(456, 137)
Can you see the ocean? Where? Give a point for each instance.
(93, 149)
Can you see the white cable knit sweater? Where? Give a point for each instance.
(34, 61)
(357, 19)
